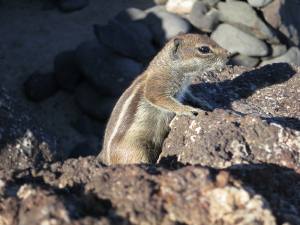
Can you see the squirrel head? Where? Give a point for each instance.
(194, 53)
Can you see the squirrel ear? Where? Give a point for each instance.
(177, 43)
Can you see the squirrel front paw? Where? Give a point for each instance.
(190, 111)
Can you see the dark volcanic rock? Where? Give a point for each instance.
(135, 195)
(40, 86)
(221, 139)
(110, 73)
(88, 147)
(268, 91)
(67, 71)
(72, 5)
(85, 125)
(131, 39)
(93, 104)
(263, 126)
(186, 196)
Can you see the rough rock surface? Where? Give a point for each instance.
(248, 149)
(264, 125)
(222, 139)
(82, 192)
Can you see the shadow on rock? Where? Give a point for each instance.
(290, 122)
(243, 86)
(223, 94)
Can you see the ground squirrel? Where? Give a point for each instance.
(140, 120)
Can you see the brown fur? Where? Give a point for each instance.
(140, 120)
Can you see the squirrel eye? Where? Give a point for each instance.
(204, 49)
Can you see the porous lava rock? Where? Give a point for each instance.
(238, 164)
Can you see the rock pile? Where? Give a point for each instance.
(257, 32)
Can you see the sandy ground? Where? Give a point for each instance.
(30, 37)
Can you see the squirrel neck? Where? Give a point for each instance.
(165, 68)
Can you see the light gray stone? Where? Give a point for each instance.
(160, 2)
(210, 2)
(199, 10)
(238, 12)
(131, 14)
(180, 6)
(244, 60)
(207, 22)
(157, 8)
(291, 56)
(165, 25)
(278, 50)
(259, 3)
(237, 41)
